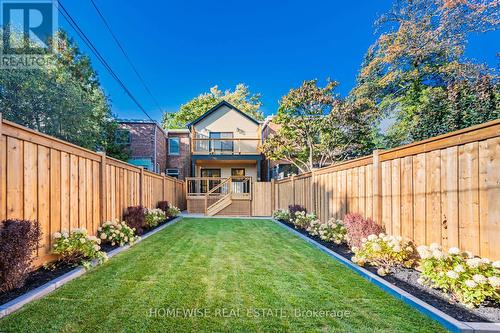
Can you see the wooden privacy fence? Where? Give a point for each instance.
(64, 186)
(444, 190)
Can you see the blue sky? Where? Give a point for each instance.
(182, 48)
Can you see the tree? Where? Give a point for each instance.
(420, 53)
(63, 98)
(241, 98)
(318, 128)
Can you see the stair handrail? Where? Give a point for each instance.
(207, 195)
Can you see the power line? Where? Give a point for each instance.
(103, 61)
(125, 54)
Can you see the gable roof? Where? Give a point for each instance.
(218, 106)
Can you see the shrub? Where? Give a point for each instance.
(470, 280)
(302, 220)
(359, 228)
(134, 217)
(173, 211)
(282, 215)
(333, 231)
(313, 228)
(18, 241)
(153, 217)
(163, 205)
(385, 252)
(296, 208)
(116, 232)
(77, 248)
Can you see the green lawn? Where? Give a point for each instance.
(234, 274)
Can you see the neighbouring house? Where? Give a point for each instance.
(147, 142)
(179, 153)
(274, 169)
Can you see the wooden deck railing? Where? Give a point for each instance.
(225, 146)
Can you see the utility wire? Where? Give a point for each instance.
(125, 54)
(103, 61)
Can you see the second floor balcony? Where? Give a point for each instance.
(225, 146)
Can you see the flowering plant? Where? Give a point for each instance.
(469, 279)
(281, 215)
(76, 247)
(385, 252)
(302, 220)
(153, 217)
(173, 211)
(116, 232)
(331, 231)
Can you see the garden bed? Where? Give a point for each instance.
(406, 279)
(42, 275)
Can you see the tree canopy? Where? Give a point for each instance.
(63, 98)
(240, 97)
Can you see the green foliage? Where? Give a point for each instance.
(63, 98)
(153, 217)
(77, 248)
(470, 280)
(240, 97)
(116, 233)
(318, 128)
(302, 219)
(385, 252)
(173, 211)
(416, 73)
(281, 215)
(331, 231)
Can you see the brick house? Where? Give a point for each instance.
(147, 142)
(179, 153)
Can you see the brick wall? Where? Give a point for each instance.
(183, 160)
(142, 138)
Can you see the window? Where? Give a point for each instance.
(173, 173)
(221, 145)
(239, 172)
(122, 137)
(211, 183)
(174, 147)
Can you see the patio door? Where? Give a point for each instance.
(215, 173)
(221, 146)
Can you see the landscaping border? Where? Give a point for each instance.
(50, 286)
(447, 321)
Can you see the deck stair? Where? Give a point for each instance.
(229, 189)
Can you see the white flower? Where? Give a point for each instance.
(494, 281)
(459, 268)
(397, 248)
(97, 247)
(470, 284)
(65, 234)
(355, 249)
(82, 240)
(435, 246)
(103, 236)
(485, 261)
(57, 235)
(381, 235)
(420, 280)
(479, 278)
(372, 237)
(437, 254)
(376, 247)
(381, 272)
(454, 251)
(496, 264)
(473, 262)
(363, 240)
(452, 275)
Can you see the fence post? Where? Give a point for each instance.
(103, 192)
(313, 192)
(273, 199)
(163, 185)
(141, 185)
(377, 187)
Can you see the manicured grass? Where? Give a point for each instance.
(262, 273)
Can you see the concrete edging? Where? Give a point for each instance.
(50, 286)
(447, 321)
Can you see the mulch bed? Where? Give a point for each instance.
(406, 279)
(41, 275)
